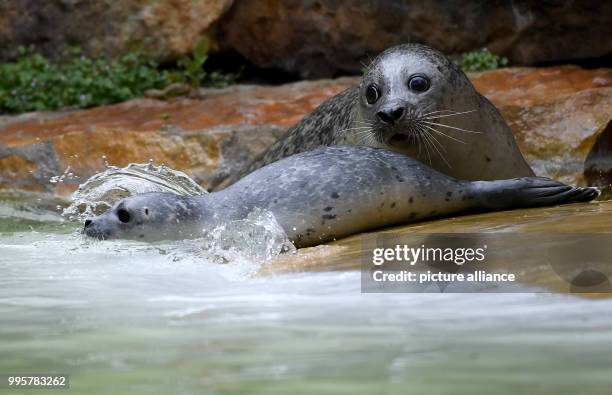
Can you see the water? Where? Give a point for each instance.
(222, 315)
(126, 317)
(256, 237)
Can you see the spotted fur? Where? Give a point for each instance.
(328, 193)
(488, 151)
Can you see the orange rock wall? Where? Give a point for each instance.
(556, 113)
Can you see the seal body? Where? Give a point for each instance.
(414, 100)
(328, 193)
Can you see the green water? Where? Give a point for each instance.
(129, 318)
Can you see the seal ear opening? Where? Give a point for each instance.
(146, 211)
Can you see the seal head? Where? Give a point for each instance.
(413, 100)
(148, 217)
(405, 90)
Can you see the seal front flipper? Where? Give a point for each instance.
(527, 192)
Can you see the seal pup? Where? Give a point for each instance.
(328, 193)
(414, 100)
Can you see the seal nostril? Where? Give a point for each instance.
(384, 117)
(398, 113)
(88, 222)
(390, 116)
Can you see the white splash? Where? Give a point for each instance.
(246, 244)
(257, 236)
(66, 175)
(102, 190)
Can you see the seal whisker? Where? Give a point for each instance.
(433, 141)
(437, 111)
(367, 66)
(451, 127)
(434, 138)
(430, 139)
(364, 130)
(368, 139)
(355, 129)
(423, 143)
(413, 137)
(444, 134)
(430, 116)
(442, 113)
(417, 134)
(426, 145)
(434, 148)
(418, 139)
(363, 137)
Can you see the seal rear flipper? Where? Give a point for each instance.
(529, 192)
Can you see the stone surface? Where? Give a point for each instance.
(551, 229)
(558, 115)
(162, 29)
(207, 136)
(314, 38)
(598, 164)
(318, 38)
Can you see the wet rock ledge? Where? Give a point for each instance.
(561, 117)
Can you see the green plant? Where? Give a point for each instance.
(32, 82)
(481, 60)
(217, 79)
(191, 69)
(192, 66)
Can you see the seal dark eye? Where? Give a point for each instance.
(418, 83)
(372, 94)
(124, 215)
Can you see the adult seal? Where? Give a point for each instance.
(414, 100)
(328, 193)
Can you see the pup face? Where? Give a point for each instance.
(149, 217)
